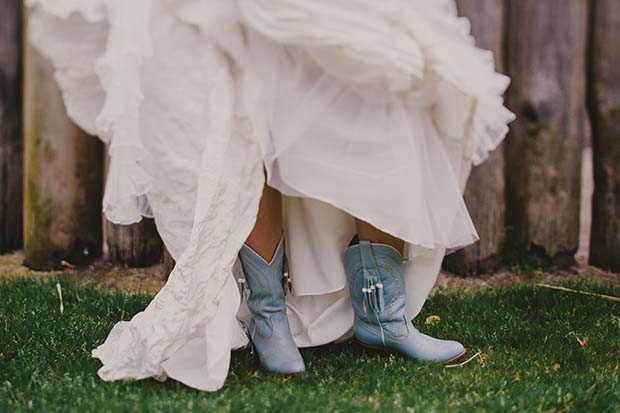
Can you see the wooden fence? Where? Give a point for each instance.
(525, 199)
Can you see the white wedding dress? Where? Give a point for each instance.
(372, 109)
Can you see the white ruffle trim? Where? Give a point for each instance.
(401, 46)
(127, 186)
(91, 10)
(433, 46)
(119, 72)
(438, 47)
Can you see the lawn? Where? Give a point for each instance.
(530, 358)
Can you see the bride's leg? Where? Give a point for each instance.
(262, 258)
(366, 231)
(267, 232)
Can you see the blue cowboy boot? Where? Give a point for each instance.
(269, 329)
(377, 288)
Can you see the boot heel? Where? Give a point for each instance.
(382, 349)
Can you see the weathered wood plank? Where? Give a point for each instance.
(137, 245)
(485, 193)
(168, 263)
(605, 116)
(546, 60)
(11, 165)
(63, 176)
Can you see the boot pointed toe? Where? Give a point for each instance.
(291, 367)
(453, 351)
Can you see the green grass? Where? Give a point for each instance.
(531, 360)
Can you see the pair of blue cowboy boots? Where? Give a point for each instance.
(377, 287)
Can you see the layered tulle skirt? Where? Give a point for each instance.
(354, 108)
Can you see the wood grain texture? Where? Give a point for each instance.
(546, 60)
(63, 177)
(137, 245)
(485, 193)
(11, 150)
(604, 106)
(168, 263)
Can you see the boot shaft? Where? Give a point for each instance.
(269, 329)
(265, 281)
(377, 286)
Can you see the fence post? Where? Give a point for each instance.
(546, 60)
(605, 115)
(11, 165)
(168, 263)
(63, 176)
(485, 193)
(136, 245)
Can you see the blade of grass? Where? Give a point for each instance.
(570, 290)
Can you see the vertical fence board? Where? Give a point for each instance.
(11, 156)
(137, 245)
(605, 116)
(168, 263)
(546, 60)
(63, 176)
(485, 193)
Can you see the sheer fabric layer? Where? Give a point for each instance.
(194, 97)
